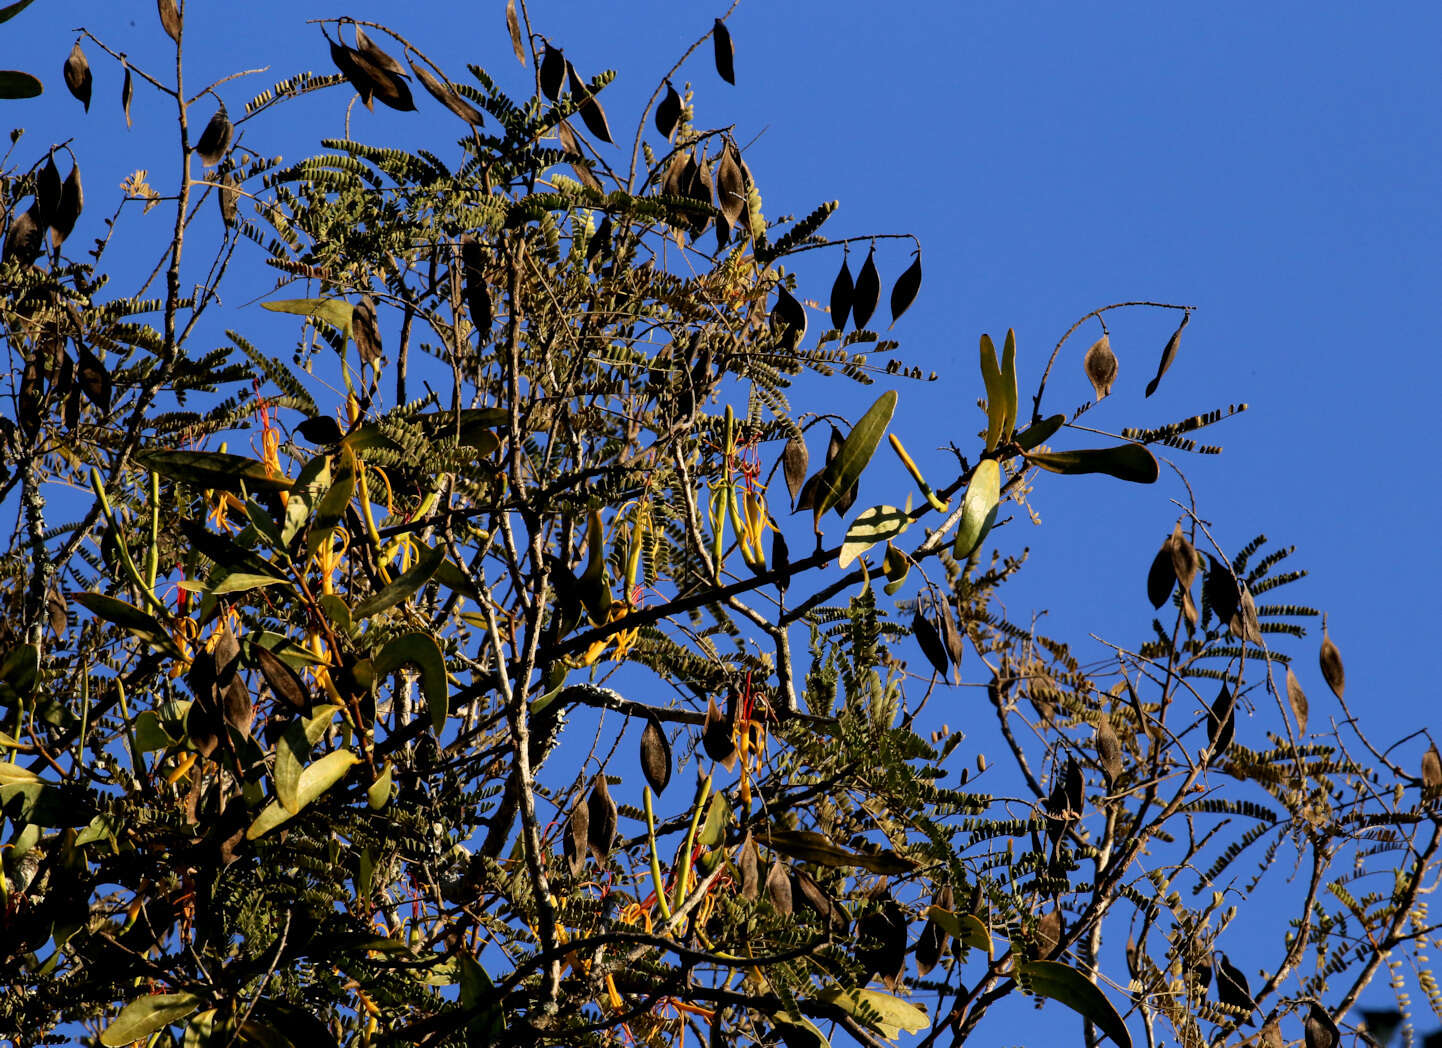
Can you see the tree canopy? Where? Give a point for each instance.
(509, 660)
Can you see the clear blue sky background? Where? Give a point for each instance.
(1275, 165)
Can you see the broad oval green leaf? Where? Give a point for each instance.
(809, 846)
(9, 11)
(380, 791)
(1009, 392)
(1062, 982)
(241, 581)
(404, 584)
(15, 84)
(978, 508)
(129, 617)
(1125, 461)
(995, 400)
(336, 312)
(882, 1011)
(964, 927)
(856, 451)
(11, 773)
(1040, 432)
(314, 781)
(874, 525)
(141, 1018)
(212, 469)
(421, 650)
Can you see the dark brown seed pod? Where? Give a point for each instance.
(1271, 1036)
(67, 212)
(229, 196)
(1221, 722)
(170, 18)
(794, 460)
(1184, 557)
(725, 52)
(600, 243)
(1232, 988)
(366, 331)
(1168, 354)
(730, 185)
(668, 112)
(553, 72)
(47, 191)
(655, 755)
(1048, 934)
(321, 429)
(1100, 365)
(932, 944)
(235, 703)
(93, 379)
(841, 291)
(1162, 576)
(750, 866)
(127, 92)
(23, 241)
(1320, 1030)
(447, 96)
(601, 812)
(1244, 623)
(815, 898)
(1431, 768)
(716, 737)
(903, 292)
(788, 320)
(284, 683)
(867, 292)
(55, 611)
(1220, 590)
(578, 833)
(478, 297)
(1330, 660)
(215, 139)
(884, 930)
(375, 56)
(932, 646)
(77, 75)
(700, 189)
(513, 27)
(1297, 699)
(778, 887)
(348, 62)
(591, 112)
(1109, 750)
(674, 181)
(951, 637)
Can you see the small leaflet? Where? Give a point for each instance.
(841, 292)
(903, 292)
(1100, 364)
(725, 53)
(867, 292)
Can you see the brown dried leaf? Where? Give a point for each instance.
(602, 815)
(215, 139)
(655, 755)
(170, 18)
(794, 460)
(725, 52)
(77, 75)
(841, 291)
(1221, 722)
(513, 26)
(867, 292)
(903, 292)
(1297, 698)
(366, 331)
(1331, 662)
(1100, 364)
(668, 112)
(778, 887)
(1168, 354)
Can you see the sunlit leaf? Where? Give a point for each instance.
(314, 781)
(978, 508)
(874, 525)
(422, 651)
(1125, 461)
(842, 473)
(1064, 984)
(145, 1015)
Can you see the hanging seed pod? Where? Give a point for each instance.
(553, 72)
(668, 112)
(127, 92)
(1100, 364)
(1331, 662)
(1162, 576)
(347, 60)
(677, 176)
(77, 75)
(1109, 750)
(885, 930)
(1220, 590)
(1244, 623)
(1297, 699)
(24, 239)
(1232, 988)
(1048, 935)
(716, 737)
(170, 18)
(1321, 1031)
(841, 293)
(750, 866)
(600, 242)
(513, 27)
(778, 887)
(788, 320)
(1168, 354)
(229, 196)
(1431, 768)
(284, 683)
(47, 191)
(215, 139)
(478, 297)
(815, 898)
(1184, 557)
(932, 646)
(730, 185)
(794, 460)
(55, 611)
(67, 212)
(932, 944)
(951, 637)
(93, 378)
(1271, 1036)
(903, 292)
(601, 812)
(375, 56)
(699, 189)
(578, 833)
(321, 430)
(867, 292)
(366, 331)
(725, 52)
(1221, 722)
(655, 755)
(236, 705)
(572, 146)
(447, 96)
(591, 112)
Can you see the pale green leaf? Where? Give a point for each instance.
(1061, 982)
(212, 469)
(874, 525)
(336, 312)
(314, 781)
(380, 791)
(421, 650)
(995, 400)
(978, 508)
(141, 1018)
(1009, 392)
(129, 617)
(241, 581)
(964, 927)
(407, 583)
(884, 1012)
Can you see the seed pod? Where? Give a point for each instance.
(1100, 364)
(24, 238)
(1221, 722)
(47, 191)
(725, 52)
(933, 941)
(1168, 354)
(513, 27)
(1320, 1030)
(55, 607)
(366, 331)
(553, 72)
(951, 637)
(1331, 661)
(72, 202)
(794, 460)
(778, 887)
(867, 291)
(814, 897)
(447, 96)
(750, 865)
(375, 56)
(229, 197)
(77, 75)
(127, 92)
(284, 683)
(1109, 750)
(885, 928)
(929, 640)
(841, 292)
(578, 832)
(668, 112)
(170, 18)
(1220, 590)
(699, 189)
(788, 320)
(730, 185)
(600, 242)
(1162, 576)
(1297, 698)
(1184, 557)
(478, 298)
(655, 755)
(1271, 1036)
(1048, 935)
(903, 292)
(601, 813)
(1431, 768)
(93, 378)
(716, 737)
(591, 112)
(348, 62)
(1232, 988)
(215, 139)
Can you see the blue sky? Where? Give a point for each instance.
(1274, 165)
